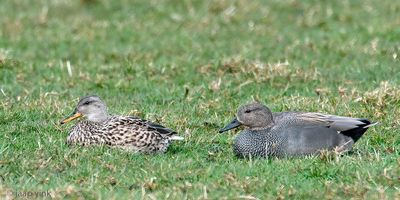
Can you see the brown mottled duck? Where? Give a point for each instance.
(126, 132)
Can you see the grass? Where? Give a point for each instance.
(189, 65)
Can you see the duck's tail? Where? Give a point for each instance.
(175, 137)
(357, 132)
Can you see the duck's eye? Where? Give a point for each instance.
(87, 103)
(247, 111)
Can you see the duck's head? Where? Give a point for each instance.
(254, 116)
(91, 107)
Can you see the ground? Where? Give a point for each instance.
(188, 65)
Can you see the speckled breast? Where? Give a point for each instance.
(259, 144)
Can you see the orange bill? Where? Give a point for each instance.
(71, 117)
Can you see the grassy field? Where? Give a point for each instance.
(189, 65)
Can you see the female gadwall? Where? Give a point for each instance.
(129, 133)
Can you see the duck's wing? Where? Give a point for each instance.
(152, 126)
(159, 128)
(352, 127)
(338, 123)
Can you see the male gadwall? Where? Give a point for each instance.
(293, 133)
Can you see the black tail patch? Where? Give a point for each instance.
(356, 133)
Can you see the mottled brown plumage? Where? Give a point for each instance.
(129, 133)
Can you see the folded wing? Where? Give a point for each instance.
(352, 127)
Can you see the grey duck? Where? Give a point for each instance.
(293, 133)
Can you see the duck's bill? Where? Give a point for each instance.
(71, 117)
(234, 123)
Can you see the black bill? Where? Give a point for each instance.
(234, 123)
